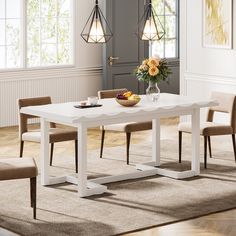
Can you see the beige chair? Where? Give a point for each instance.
(128, 128)
(56, 134)
(227, 104)
(16, 168)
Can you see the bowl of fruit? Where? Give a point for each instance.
(128, 99)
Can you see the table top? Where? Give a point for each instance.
(67, 113)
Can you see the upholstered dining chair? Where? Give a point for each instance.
(21, 168)
(227, 104)
(128, 128)
(56, 134)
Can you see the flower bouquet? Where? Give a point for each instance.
(153, 71)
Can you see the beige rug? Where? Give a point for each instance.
(127, 206)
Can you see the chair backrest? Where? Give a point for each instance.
(110, 93)
(227, 104)
(25, 102)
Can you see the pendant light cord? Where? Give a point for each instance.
(150, 6)
(96, 12)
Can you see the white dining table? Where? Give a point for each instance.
(168, 105)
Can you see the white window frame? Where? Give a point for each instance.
(24, 43)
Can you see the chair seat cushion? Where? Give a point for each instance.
(207, 128)
(56, 135)
(129, 127)
(17, 168)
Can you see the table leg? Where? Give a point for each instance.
(156, 139)
(82, 163)
(196, 141)
(44, 151)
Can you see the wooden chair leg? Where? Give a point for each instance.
(234, 145)
(102, 143)
(33, 187)
(76, 156)
(128, 136)
(51, 153)
(21, 148)
(180, 146)
(205, 152)
(209, 145)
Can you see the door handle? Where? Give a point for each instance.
(111, 59)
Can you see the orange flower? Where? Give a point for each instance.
(153, 71)
(153, 62)
(145, 62)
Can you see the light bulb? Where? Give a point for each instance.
(150, 31)
(96, 33)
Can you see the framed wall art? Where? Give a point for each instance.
(217, 23)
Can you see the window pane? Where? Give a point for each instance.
(33, 8)
(49, 8)
(64, 30)
(13, 43)
(64, 54)
(13, 32)
(170, 49)
(158, 6)
(49, 30)
(2, 8)
(2, 57)
(64, 8)
(13, 8)
(10, 34)
(13, 56)
(2, 32)
(170, 27)
(33, 32)
(49, 54)
(158, 48)
(33, 53)
(33, 43)
(170, 7)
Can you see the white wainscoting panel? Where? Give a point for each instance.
(74, 87)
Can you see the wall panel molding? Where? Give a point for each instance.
(38, 74)
(210, 79)
(73, 87)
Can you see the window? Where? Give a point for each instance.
(167, 11)
(36, 33)
(10, 34)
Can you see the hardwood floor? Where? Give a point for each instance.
(219, 224)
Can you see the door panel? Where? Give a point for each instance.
(125, 42)
(125, 81)
(173, 85)
(123, 17)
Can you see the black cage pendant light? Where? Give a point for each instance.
(150, 27)
(96, 29)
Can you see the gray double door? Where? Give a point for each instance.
(124, 52)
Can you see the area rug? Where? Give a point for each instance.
(128, 205)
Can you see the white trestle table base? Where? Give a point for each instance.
(169, 105)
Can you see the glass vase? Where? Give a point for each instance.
(153, 92)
